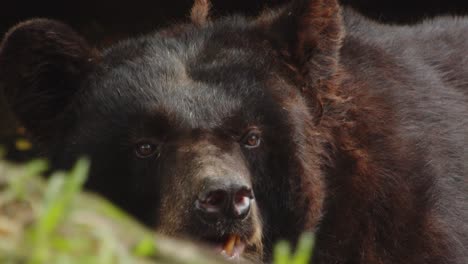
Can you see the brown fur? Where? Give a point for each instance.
(362, 127)
(367, 189)
(199, 15)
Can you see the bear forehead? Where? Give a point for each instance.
(198, 79)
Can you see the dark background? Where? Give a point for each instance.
(103, 22)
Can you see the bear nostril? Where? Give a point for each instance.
(216, 199)
(241, 203)
(213, 202)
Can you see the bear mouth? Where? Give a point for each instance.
(231, 246)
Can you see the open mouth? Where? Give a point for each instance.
(231, 246)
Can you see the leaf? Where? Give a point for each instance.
(145, 248)
(18, 184)
(60, 192)
(282, 253)
(304, 249)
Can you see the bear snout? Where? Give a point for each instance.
(224, 200)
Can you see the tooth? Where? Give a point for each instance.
(230, 243)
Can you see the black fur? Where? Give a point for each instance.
(364, 126)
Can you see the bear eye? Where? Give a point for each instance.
(252, 139)
(145, 149)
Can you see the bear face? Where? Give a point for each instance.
(197, 123)
(199, 131)
(239, 132)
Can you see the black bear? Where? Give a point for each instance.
(242, 131)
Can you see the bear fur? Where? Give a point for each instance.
(364, 126)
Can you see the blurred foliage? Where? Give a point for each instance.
(284, 255)
(53, 221)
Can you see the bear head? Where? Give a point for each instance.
(207, 130)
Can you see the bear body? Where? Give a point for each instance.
(240, 132)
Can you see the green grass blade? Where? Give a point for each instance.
(303, 253)
(282, 253)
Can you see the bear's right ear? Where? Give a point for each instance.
(308, 35)
(42, 65)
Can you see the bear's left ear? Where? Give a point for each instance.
(42, 65)
(309, 33)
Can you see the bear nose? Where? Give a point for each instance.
(227, 202)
